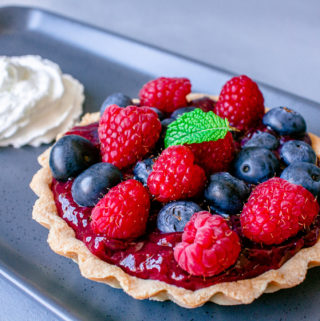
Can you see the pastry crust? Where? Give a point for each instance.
(62, 241)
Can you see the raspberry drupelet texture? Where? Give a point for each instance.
(166, 94)
(277, 210)
(241, 102)
(127, 134)
(123, 212)
(208, 245)
(174, 175)
(214, 156)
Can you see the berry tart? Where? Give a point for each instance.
(185, 197)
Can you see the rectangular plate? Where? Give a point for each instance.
(105, 62)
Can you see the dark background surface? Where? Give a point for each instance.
(104, 64)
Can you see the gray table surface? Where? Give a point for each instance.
(277, 42)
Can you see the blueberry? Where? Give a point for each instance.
(285, 121)
(255, 165)
(226, 194)
(142, 170)
(164, 126)
(70, 155)
(166, 122)
(304, 174)
(92, 184)
(297, 151)
(180, 111)
(262, 139)
(175, 215)
(160, 114)
(119, 99)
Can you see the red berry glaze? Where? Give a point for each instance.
(241, 102)
(277, 210)
(208, 245)
(123, 212)
(174, 175)
(127, 134)
(166, 94)
(214, 156)
(205, 103)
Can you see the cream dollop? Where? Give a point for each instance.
(37, 101)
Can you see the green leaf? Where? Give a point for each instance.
(196, 127)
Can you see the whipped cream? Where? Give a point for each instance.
(37, 101)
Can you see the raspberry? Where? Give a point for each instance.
(208, 245)
(205, 103)
(174, 175)
(127, 134)
(277, 210)
(241, 102)
(166, 94)
(123, 212)
(214, 156)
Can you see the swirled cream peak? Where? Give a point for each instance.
(37, 101)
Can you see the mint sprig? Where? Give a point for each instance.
(196, 127)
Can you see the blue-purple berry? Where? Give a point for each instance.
(175, 215)
(297, 151)
(285, 121)
(255, 165)
(92, 184)
(226, 194)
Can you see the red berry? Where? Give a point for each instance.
(127, 134)
(123, 212)
(166, 94)
(208, 245)
(205, 103)
(277, 210)
(214, 156)
(174, 175)
(241, 102)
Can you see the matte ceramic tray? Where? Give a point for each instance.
(105, 63)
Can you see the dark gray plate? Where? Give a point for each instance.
(105, 63)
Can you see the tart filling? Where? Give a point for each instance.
(151, 256)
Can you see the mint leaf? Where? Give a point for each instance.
(196, 127)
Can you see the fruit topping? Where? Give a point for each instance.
(166, 94)
(255, 165)
(92, 184)
(207, 135)
(277, 210)
(70, 155)
(241, 102)
(127, 134)
(142, 170)
(226, 194)
(297, 151)
(262, 139)
(208, 245)
(123, 212)
(175, 215)
(285, 121)
(178, 112)
(214, 156)
(175, 176)
(118, 99)
(304, 174)
(205, 103)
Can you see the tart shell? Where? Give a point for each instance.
(62, 240)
